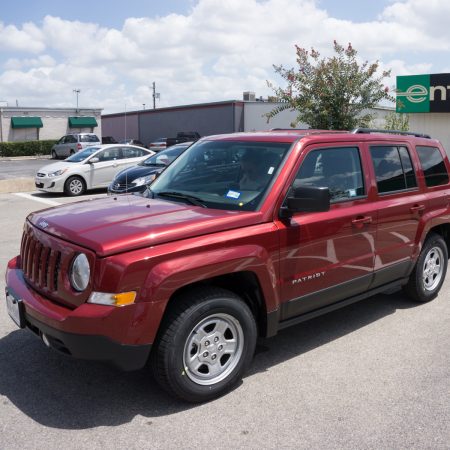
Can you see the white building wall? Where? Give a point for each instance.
(55, 123)
(437, 125)
(255, 119)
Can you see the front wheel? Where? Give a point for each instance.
(74, 186)
(207, 344)
(429, 272)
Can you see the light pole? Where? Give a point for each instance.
(155, 95)
(77, 91)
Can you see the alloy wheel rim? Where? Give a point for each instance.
(213, 349)
(76, 186)
(433, 268)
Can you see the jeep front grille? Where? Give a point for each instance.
(41, 265)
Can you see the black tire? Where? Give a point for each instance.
(54, 155)
(72, 152)
(74, 186)
(216, 319)
(429, 272)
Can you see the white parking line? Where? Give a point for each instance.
(37, 199)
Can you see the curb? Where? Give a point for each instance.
(20, 158)
(17, 185)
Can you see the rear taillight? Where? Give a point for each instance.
(79, 146)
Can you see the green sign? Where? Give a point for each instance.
(423, 93)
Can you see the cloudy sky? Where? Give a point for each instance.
(199, 50)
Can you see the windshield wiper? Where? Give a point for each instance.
(190, 198)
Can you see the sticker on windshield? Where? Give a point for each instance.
(270, 171)
(233, 194)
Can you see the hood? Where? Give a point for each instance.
(117, 224)
(49, 168)
(130, 174)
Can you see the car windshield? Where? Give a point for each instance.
(81, 156)
(232, 175)
(165, 157)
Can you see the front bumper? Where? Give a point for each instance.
(89, 331)
(130, 189)
(47, 184)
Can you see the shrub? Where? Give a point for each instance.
(29, 148)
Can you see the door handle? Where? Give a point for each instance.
(417, 208)
(360, 221)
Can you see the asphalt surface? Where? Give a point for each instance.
(21, 168)
(374, 375)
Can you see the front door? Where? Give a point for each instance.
(328, 256)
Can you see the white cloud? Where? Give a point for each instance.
(29, 39)
(214, 53)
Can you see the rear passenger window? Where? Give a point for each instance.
(339, 169)
(393, 168)
(433, 166)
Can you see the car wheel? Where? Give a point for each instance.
(74, 186)
(429, 272)
(206, 346)
(54, 155)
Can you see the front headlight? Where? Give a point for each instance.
(57, 173)
(80, 273)
(144, 180)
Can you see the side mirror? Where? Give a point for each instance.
(93, 160)
(306, 199)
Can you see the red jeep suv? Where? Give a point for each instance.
(243, 235)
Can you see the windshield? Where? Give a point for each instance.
(81, 156)
(233, 175)
(165, 157)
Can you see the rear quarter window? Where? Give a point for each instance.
(433, 166)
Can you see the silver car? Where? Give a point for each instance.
(72, 143)
(93, 167)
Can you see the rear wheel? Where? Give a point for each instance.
(206, 345)
(429, 272)
(54, 155)
(74, 186)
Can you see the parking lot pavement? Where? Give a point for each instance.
(21, 168)
(374, 375)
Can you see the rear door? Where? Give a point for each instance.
(400, 204)
(329, 256)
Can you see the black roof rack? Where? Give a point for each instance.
(404, 133)
(289, 129)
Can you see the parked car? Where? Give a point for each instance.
(158, 144)
(93, 167)
(182, 136)
(137, 178)
(227, 249)
(72, 143)
(109, 140)
(132, 142)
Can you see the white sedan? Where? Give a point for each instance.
(93, 167)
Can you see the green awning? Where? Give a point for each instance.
(82, 122)
(26, 122)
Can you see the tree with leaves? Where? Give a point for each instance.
(331, 93)
(396, 121)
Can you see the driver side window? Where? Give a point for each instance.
(339, 169)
